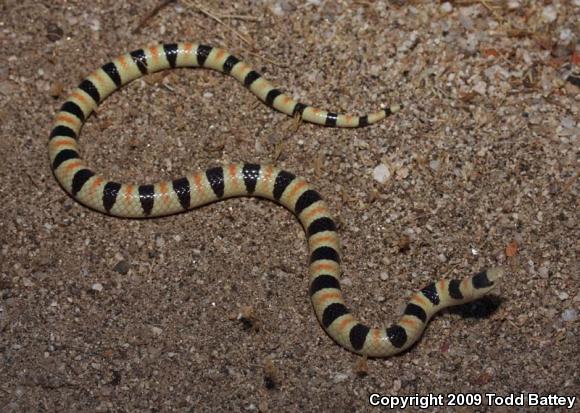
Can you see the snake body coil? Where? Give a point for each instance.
(244, 179)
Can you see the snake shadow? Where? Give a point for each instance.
(482, 308)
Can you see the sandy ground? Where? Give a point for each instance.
(104, 314)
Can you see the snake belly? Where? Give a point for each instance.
(246, 179)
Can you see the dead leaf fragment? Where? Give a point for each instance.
(404, 243)
(56, 89)
(511, 249)
(361, 368)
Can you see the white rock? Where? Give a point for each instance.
(466, 21)
(340, 377)
(565, 35)
(446, 7)
(480, 87)
(549, 14)
(563, 295)
(95, 25)
(381, 173)
(567, 122)
(97, 287)
(375, 70)
(407, 44)
(569, 314)
(397, 384)
(277, 9)
(544, 272)
(156, 330)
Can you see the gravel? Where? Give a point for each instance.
(106, 314)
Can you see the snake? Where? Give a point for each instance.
(130, 200)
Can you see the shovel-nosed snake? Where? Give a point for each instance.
(245, 179)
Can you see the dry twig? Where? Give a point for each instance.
(219, 19)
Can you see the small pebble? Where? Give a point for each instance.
(397, 384)
(446, 7)
(563, 295)
(567, 123)
(403, 173)
(27, 282)
(277, 9)
(543, 272)
(381, 173)
(434, 164)
(569, 314)
(97, 287)
(466, 21)
(565, 36)
(56, 89)
(549, 14)
(156, 330)
(122, 267)
(95, 25)
(480, 87)
(340, 377)
(384, 276)
(53, 32)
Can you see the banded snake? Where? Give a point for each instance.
(246, 179)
